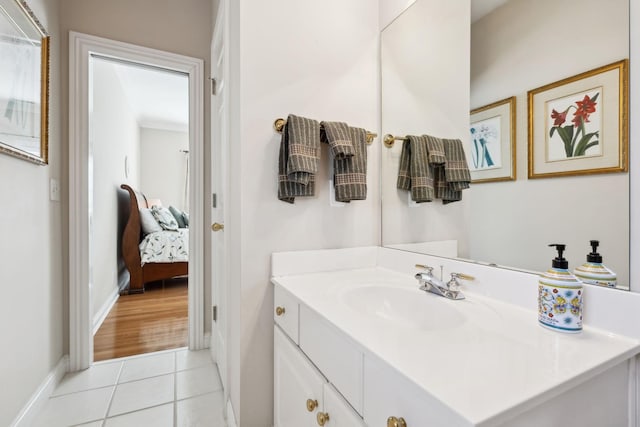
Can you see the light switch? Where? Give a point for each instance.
(54, 190)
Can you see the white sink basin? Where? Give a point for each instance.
(406, 307)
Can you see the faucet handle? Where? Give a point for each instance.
(425, 267)
(453, 283)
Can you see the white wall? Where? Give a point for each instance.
(33, 303)
(315, 59)
(163, 167)
(424, 91)
(115, 135)
(509, 57)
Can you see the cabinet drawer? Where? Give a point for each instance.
(285, 312)
(389, 394)
(335, 356)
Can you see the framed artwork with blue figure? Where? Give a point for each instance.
(492, 142)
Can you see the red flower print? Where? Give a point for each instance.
(585, 107)
(555, 291)
(559, 118)
(550, 314)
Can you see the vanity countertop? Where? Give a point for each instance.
(484, 359)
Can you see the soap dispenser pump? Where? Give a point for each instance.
(593, 272)
(560, 296)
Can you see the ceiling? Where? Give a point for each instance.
(480, 8)
(158, 98)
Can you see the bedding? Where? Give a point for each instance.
(165, 246)
(164, 218)
(148, 222)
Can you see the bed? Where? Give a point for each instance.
(136, 249)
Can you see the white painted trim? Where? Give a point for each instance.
(39, 399)
(633, 391)
(231, 417)
(103, 312)
(81, 47)
(634, 136)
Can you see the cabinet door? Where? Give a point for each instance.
(295, 381)
(387, 393)
(340, 413)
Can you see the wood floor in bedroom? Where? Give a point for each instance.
(142, 323)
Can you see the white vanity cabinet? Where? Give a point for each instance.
(303, 397)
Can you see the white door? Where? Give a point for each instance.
(219, 161)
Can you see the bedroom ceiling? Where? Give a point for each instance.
(158, 98)
(481, 8)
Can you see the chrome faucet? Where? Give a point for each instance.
(430, 283)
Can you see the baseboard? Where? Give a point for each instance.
(39, 399)
(102, 314)
(231, 418)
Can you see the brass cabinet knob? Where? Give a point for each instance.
(216, 226)
(396, 422)
(322, 418)
(279, 311)
(311, 405)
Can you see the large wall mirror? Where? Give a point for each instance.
(516, 46)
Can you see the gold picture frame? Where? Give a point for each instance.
(492, 144)
(24, 83)
(579, 125)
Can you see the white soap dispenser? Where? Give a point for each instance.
(560, 297)
(593, 272)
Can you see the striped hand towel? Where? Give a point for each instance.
(456, 171)
(415, 172)
(298, 158)
(304, 148)
(350, 173)
(338, 136)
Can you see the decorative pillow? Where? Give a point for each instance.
(148, 222)
(185, 217)
(164, 218)
(178, 216)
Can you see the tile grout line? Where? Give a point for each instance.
(175, 390)
(113, 393)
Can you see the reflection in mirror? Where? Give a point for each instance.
(24, 78)
(515, 47)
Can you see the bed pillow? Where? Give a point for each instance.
(148, 222)
(185, 217)
(164, 218)
(178, 216)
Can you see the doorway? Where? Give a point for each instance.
(82, 48)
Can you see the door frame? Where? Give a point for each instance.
(81, 47)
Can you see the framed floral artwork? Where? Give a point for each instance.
(492, 146)
(24, 79)
(578, 125)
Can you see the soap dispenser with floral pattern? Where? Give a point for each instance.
(593, 272)
(560, 296)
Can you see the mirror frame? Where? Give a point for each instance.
(43, 157)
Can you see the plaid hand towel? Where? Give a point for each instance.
(298, 162)
(338, 136)
(350, 173)
(415, 172)
(304, 148)
(456, 171)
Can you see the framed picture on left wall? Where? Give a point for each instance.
(24, 83)
(493, 142)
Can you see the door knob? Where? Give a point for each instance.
(311, 405)
(216, 226)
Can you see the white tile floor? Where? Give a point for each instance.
(178, 388)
